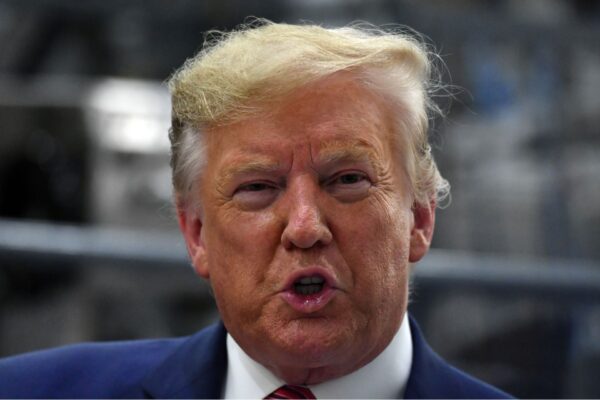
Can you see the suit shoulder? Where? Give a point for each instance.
(471, 387)
(433, 377)
(109, 369)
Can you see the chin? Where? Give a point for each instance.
(314, 342)
(310, 356)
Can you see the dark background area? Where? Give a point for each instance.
(89, 249)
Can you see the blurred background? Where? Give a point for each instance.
(89, 248)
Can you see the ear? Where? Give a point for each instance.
(190, 224)
(422, 230)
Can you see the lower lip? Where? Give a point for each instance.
(308, 304)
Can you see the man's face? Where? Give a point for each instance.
(306, 231)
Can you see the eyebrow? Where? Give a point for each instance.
(347, 150)
(332, 152)
(256, 165)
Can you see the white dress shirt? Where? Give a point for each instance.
(384, 377)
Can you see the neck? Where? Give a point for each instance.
(294, 375)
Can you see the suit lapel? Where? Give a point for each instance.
(432, 378)
(196, 369)
(428, 377)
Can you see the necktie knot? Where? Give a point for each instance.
(291, 392)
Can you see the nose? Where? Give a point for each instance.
(305, 226)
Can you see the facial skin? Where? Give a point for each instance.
(314, 188)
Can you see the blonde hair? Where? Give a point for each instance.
(238, 74)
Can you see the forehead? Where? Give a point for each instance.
(333, 116)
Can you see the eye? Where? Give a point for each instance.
(349, 179)
(253, 187)
(349, 186)
(255, 195)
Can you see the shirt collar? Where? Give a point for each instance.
(387, 374)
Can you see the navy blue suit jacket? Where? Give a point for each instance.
(190, 367)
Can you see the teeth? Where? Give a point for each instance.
(309, 285)
(307, 280)
(308, 289)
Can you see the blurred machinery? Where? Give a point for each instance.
(130, 175)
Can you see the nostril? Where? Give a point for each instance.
(305, 237)
(305, 225)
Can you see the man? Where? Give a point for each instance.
(305, 187)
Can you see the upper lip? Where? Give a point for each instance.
(309, 271)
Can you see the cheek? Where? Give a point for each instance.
(240, 247)
(377, 249)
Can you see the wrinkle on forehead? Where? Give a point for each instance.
(310, 119)
(328, 152)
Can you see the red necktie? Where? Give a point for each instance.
(291, 392)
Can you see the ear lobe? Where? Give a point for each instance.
(422, 230)
(190, 225)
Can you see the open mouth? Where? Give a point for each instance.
(310, 290)
(308, 285)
